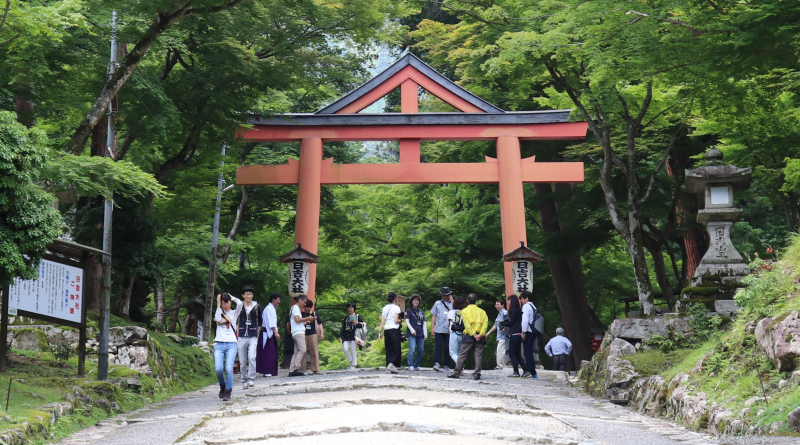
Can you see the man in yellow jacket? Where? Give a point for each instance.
(475, 324)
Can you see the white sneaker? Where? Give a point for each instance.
(417, 369)
(244, 385)
(446, 369)
(251, 383)
(391, 368)
(352, 368)
(436, 367)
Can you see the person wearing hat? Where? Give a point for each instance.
(559, 347)
(441, 331)
(248, 321)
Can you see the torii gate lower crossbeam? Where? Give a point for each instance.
(508, 170)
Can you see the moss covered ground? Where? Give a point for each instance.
(37, 379)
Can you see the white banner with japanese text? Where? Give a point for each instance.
(56, 292)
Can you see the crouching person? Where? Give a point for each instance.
(225, 345)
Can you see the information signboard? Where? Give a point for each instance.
(57, 292)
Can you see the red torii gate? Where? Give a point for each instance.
(478, 120)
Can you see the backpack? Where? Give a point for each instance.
(537, 325)
(458, 323)
(361, 333)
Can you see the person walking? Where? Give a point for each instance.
(314, 333)
(417, 332)
(347, 334)
(225, 345)
(514, 325)
(298, 329)
(267, 353)
(248, 323)
(390, 327)
(475, 324)
(441, 331)
(559, 347)
(502, 315)
(528, 312)
(456, 326)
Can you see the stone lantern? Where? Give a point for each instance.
(522, 259)
(717, 181)
(299, 260)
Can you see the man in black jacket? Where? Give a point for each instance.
(248, 320)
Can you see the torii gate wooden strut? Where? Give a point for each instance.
(479, 120)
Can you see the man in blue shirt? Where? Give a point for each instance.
(559, 347)
(502, 347)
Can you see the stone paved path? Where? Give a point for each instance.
(371, 407)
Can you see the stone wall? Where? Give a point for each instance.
(609, 375)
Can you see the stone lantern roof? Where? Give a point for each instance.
(717, 172)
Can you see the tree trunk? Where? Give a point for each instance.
(24, 106)
(685, 207)
(237, 224)
(158, 295)
(176, 304)
(186, 324)
(124, 303)
(163, 21)
(654, 247)
(573, 304)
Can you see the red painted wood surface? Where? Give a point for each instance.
(331, 133)
(397, 80)
(467, 173)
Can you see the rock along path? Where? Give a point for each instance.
(371, 406)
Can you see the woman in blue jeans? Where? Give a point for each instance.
(225, 345)
(417, 332)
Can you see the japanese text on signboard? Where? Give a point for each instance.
(55, 292)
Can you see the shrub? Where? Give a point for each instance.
(189, 341)
(61, 352)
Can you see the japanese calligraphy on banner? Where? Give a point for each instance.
(298, 278)
(522, 276)
(57, 292)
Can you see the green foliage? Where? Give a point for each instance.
(98, 176)
(187, 342)
(61, 352)
(28, 222)
(667, 343)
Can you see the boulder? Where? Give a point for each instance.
(726, 307)
(621, 374)
(133, 357)
(680, 326)
(637, 329)
(620, 348)
(793, 418)
(127, 335)
(779, 338)
(30, 340)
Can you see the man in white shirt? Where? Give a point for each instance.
(528, 310)
(248, 321)
(298, 326)
(441, 330)
(390, 329)
(267, 356)
(559, 347)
